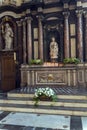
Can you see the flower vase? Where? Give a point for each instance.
(45, 98)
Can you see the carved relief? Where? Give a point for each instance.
(7, 2)
(51, 77)
(50, 27)
(50, 1)
(80, 76)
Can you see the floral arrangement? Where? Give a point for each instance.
(36, 62)
(71, 61)
(41, 93)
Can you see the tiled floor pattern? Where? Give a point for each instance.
(58, 90)
(27, 121)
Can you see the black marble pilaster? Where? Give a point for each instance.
(85, 34)
(66, 35)
(79, 35)
(29, 39)
(24, 42)
(1, 47)
(19, 24)
(40, 27)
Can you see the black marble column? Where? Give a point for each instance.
(19, 24)
(66, 35)
(79, 35)
(24, 43)
(29, 39)
(1, 46)
(40, 40)
(85, 34)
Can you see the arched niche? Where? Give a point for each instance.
(53, 29)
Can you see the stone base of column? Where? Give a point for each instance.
(54, 60)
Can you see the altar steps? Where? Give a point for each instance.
(65, 105)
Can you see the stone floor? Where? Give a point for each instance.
(58, 90)
(29, 121)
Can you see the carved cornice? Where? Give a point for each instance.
(51, 1)
(49, 27)
(6, 19)
(79, 3)
(65, 1)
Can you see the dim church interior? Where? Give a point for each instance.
(46, 30)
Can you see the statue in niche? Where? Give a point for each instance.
(53, 50)
(8, 36)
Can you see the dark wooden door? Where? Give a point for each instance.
(7, 71)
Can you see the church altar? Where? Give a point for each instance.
(54, 74)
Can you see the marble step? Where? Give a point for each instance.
(44, 109)
(58, 100)
(66, 104)
(46, 103)
(63, 103)
(22, 95)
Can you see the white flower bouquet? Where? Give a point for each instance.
(44, 94)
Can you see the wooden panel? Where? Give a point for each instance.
(7, 71)
(8, 67)
(8, 84)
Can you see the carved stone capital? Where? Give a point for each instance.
(40, 9)
(23, 21)
(66, 6)
(28, 11)
(85, 14)
(66, 14)
(79, 13)
(29, 19)
(40, 17)
(19, 23)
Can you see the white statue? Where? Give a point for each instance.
(53, 49)
(8, 36)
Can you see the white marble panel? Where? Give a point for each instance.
(3, 129)
(38, 120)
(1, 112)
(84, 123)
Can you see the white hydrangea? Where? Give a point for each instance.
(44, 91)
